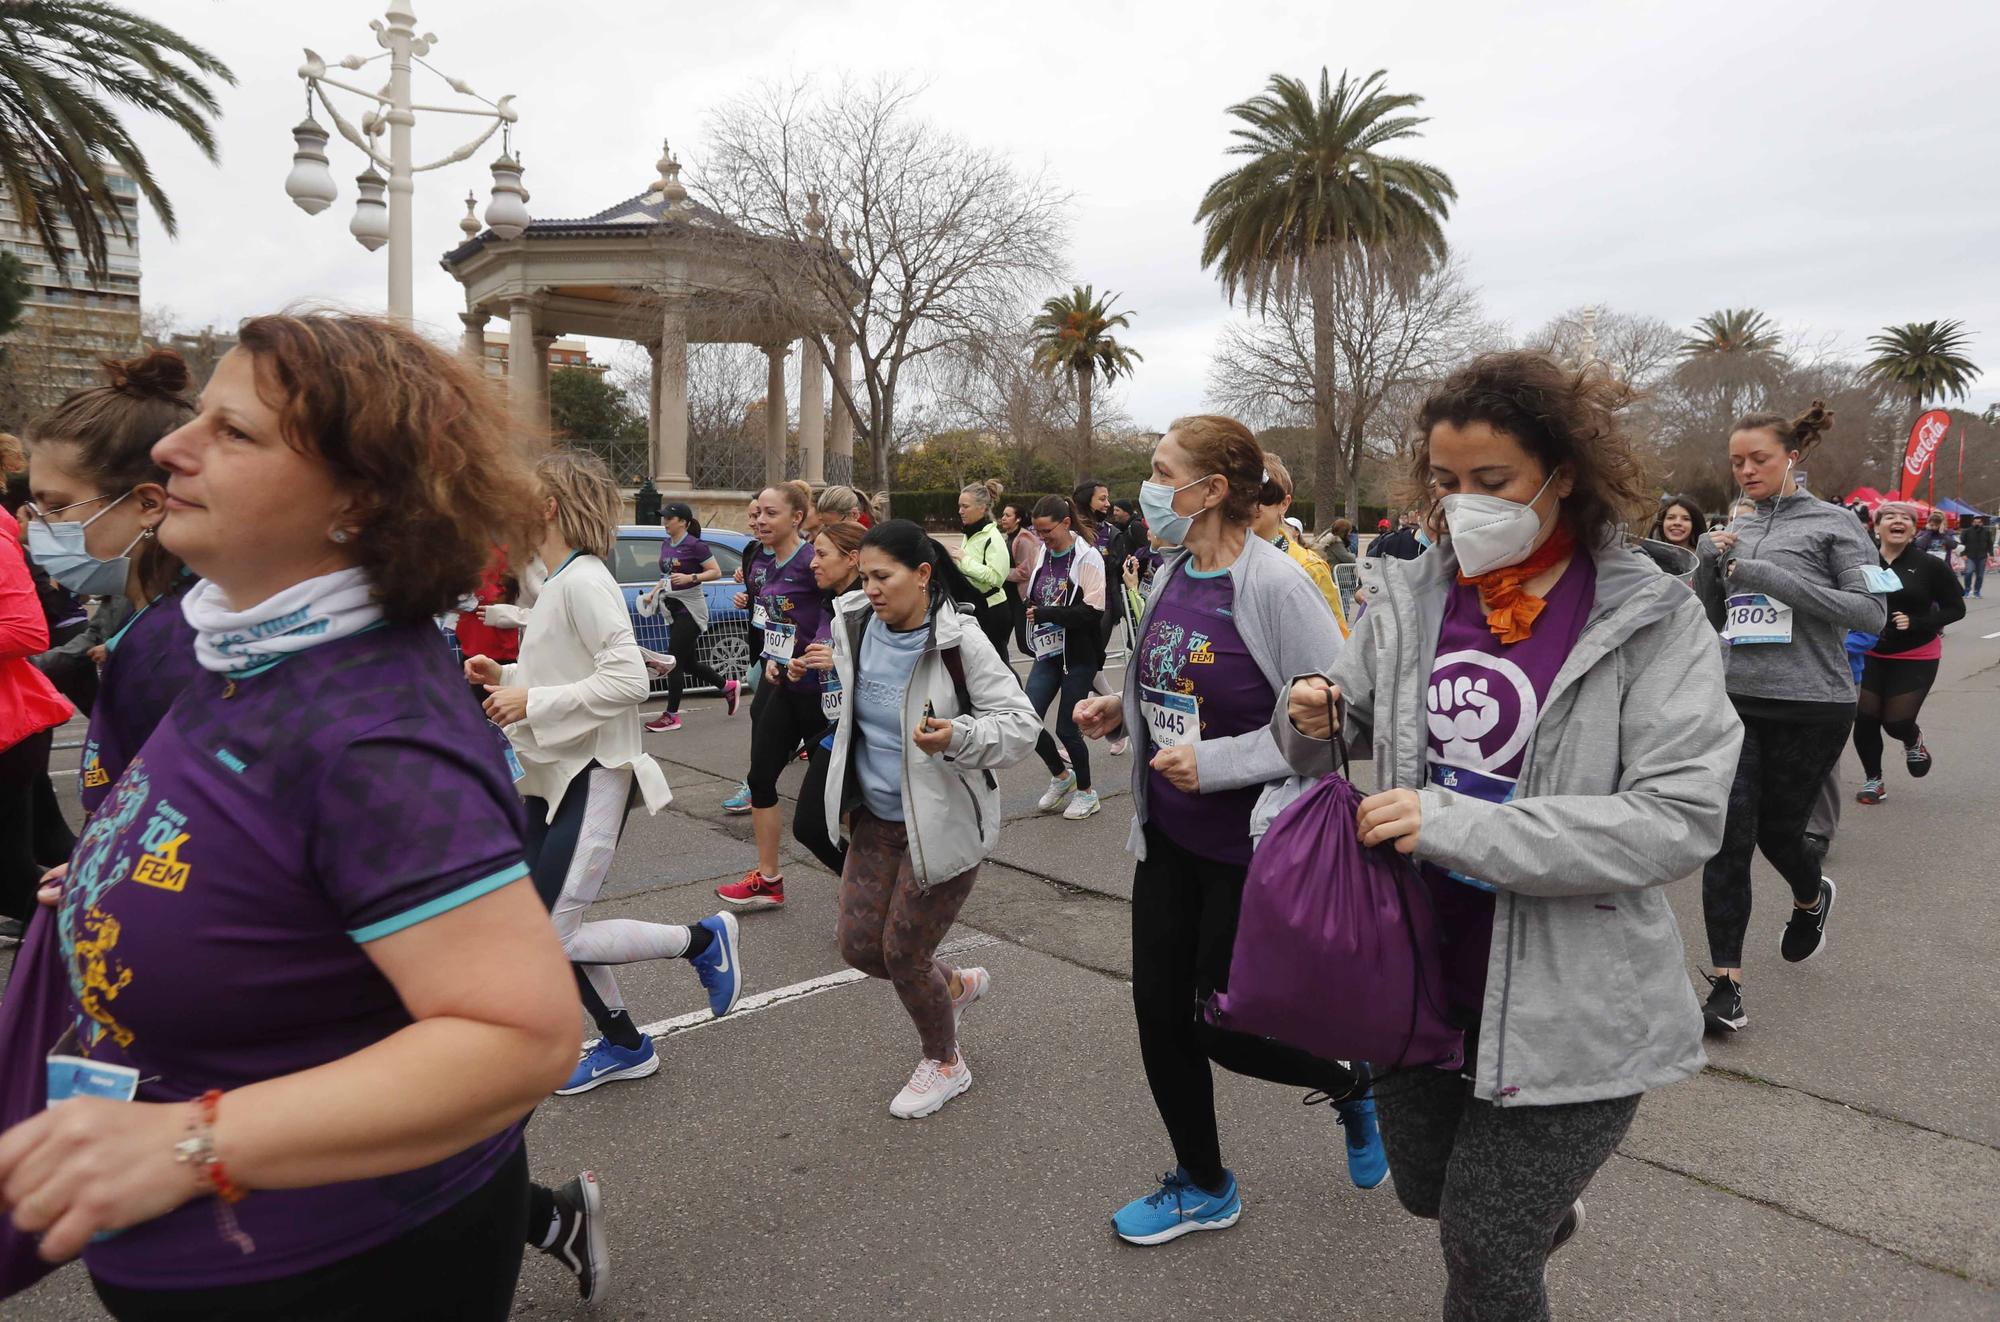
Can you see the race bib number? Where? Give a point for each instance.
(1173, 719)
(1881, 579)
(1941, 553)
(779, 640)
(1046, 640)
(71, 1075)
(831, 696)
(1752, 617)
(757, 615)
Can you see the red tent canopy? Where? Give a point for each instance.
(1873, 499)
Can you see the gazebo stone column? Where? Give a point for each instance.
(653, 407)
(542, 342)
(670, 403)
(774, 414)
(523, 382)
(473, 345)
(812, 412)
(840, 445)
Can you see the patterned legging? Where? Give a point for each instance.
(890, 926)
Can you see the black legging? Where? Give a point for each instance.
(683, 640)
(1778, 775)
(780, 722)
(809, 825)
(28, 836)
(1184, 913)
(1892, 693)
(998, 626)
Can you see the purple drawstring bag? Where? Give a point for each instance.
(32, 1019)
(1336, 946)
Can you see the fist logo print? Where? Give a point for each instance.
(1481, 710)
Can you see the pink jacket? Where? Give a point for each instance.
(29, 704)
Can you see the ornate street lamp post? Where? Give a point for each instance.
(311, 185)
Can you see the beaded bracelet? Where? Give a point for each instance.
(198, 1150)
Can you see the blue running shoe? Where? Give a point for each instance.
(1367, 1162)
(1178, 1207)
(720, 971)
(739, 801)
(607, 1062)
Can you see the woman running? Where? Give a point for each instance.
(935, 713)
(1230, 620)
(837, 570)
(1790, 580)
(685, 564)
(785, 715)
(1681, 523)
(1546, 714)
(298, 928)
(1903, 664)
(570, 707)
(1017, 522)
(91, 468)
(986, 561)
(1066, 594)
(757, 561)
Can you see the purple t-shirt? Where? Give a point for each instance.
(1191, 649)
(687, 558)
(794, 609)
(217, 908)
(1482, 702)
(151, 660)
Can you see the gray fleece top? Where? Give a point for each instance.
(1813, 557)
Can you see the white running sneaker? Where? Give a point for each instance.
(1058, 790)
(930, 1087)
(1081, 805)
(974, 983)
(1120, 746)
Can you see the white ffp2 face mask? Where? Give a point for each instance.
(1490, 533)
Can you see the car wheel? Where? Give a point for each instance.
(726, 650)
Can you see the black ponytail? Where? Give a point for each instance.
(912, 547)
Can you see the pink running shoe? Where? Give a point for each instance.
(731, 692)
(664, 722)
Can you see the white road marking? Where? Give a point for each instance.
(1990, 635)
(798, 991)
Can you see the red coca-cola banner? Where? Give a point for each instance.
(1925, 438)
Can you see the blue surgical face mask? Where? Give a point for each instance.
(1156, 503)
(59, 549)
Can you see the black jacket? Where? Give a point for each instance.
(1978, 542)
(1930, 596)
(1402, 544)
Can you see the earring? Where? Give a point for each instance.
(340, 534)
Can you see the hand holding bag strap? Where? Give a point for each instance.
(1336, 715)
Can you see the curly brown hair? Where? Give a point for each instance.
(1568, 418)
(416, 437)
(1798, 434)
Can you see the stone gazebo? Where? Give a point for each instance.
(660, 270)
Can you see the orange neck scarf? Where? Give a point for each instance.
(1510, 609)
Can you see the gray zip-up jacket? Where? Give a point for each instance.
(1624, 788)
(1287, 628)
(951, 800)
(1813, 557)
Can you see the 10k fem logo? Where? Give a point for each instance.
(160, 861)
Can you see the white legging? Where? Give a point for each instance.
(594, 945)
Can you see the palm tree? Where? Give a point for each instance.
(1072, 335)
(1317, 183)
(1734, 350)
(64, 67)
(13, 292)
(1923, 359)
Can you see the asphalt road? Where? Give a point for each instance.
(1839, 1159)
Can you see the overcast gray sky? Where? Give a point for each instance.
(1832, 163)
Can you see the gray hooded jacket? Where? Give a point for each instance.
(1624, 788)
(1813, 557)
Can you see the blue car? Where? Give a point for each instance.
(725, 644)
